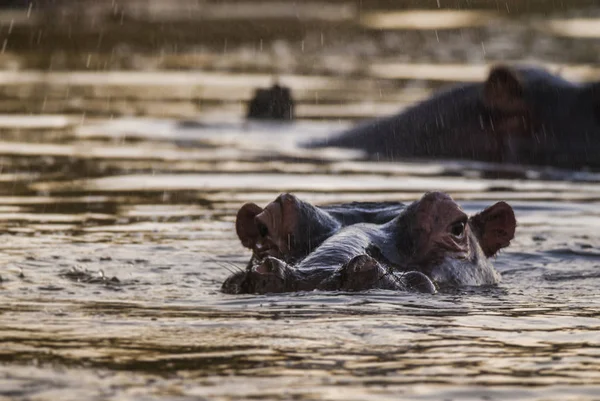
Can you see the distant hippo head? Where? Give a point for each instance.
(274, 103)
(434, 236)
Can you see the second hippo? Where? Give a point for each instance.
(522, 115)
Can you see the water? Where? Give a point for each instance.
(117, 224)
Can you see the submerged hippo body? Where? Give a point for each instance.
(518, 115)
(429, 241)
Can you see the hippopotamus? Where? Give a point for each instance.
(429, 244)
(274, 103)
(522, 115)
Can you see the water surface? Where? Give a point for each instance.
(119, 189)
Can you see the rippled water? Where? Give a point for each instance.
(148, 320)
(118, 231)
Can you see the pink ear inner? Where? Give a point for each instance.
(244, 224)
(494, 227)
(281, 220)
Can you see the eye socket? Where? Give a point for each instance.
(263, 230)
(457, 229)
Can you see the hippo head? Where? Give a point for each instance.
(434, 236)
(274, 103)
(286, 228)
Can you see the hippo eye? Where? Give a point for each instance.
(262, 229)
(457, 229)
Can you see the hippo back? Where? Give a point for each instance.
(518, 115)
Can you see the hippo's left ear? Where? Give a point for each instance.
(494, 227)
(245, 226)
(503, 90)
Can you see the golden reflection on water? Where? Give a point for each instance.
(472, 73)
(573, 27)
(163, 328)
(427, 19)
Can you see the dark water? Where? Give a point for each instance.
(117, 219)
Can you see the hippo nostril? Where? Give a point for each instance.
(419, 282)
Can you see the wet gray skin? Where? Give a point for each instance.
(430, 237)
(290, 229)
(361, 273)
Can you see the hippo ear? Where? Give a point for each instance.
(280, 220)
(245, 226)
(494, 227)
(503, 91)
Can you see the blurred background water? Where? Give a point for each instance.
(124, 156)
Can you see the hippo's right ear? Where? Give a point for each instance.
(494, 227)
(503, 90)
(245, 226)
